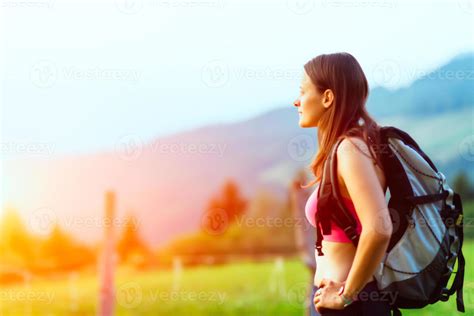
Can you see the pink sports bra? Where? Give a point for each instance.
(337, 234)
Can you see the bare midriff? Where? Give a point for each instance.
(336, 262)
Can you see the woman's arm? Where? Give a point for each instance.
(359, 175)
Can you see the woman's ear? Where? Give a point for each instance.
(328, 98)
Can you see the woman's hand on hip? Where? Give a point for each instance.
(327, 295)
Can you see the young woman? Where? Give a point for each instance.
(332, 98)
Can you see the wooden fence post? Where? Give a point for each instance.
(107, 262)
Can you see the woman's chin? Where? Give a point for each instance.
(304, 124)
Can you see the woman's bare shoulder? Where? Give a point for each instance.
(353, 147)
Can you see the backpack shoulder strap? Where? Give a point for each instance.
(330, 206)
(341, 215)
(322, 215)
(457, 285)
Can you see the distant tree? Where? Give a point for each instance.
(16, 243)
(62, 252)
(130, 244)
(229, 201)
(57, 242)
(462, 186)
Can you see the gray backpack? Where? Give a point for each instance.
(427, 219)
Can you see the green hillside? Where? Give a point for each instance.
(445, 89)
(244, 288)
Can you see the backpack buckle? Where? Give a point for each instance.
(444, 296)
(319, 250)
(459, 220)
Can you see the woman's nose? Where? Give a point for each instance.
(296, 103)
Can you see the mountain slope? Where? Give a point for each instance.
(167, 184)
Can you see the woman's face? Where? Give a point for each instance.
(310, 103)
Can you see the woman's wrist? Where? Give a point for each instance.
(347, 296)
(346, 301)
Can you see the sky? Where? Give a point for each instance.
(79, 76)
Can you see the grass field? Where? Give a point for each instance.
(235, 289)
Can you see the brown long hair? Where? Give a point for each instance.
(347, 116)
